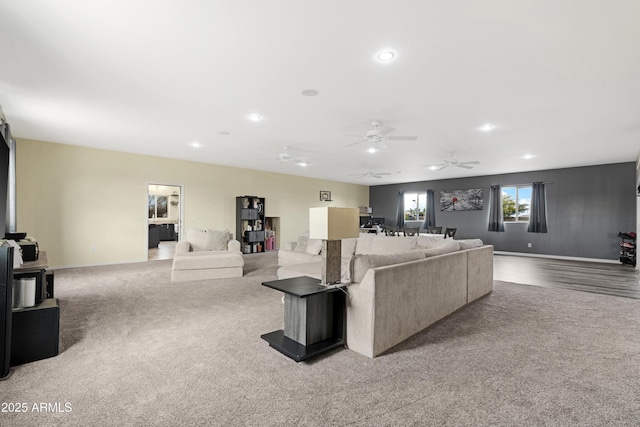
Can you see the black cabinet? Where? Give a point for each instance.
(250, 223)
(35, 332)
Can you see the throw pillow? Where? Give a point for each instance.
(301, 244)
(218, 239)
(470, 243)
(314, 246)
(197, 238)
(361, 263)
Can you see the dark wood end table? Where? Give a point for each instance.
(313, 318)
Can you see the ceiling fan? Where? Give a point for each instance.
(377, 136)
(370, 174)
(286, 157)
(452, 162)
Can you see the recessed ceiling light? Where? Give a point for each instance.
(255, 117)
(528, 156)
(487, 127)
(223, 132)
(386, 56)
(433, 168)
(309, 92)
(371, 150)
(303, 164)
(195, 144)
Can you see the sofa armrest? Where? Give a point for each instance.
(233, 246)
(289, 246)
(183, 247)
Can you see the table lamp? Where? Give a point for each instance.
(332, 224)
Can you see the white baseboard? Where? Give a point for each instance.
(569, 258)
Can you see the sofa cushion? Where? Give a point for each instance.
(361, 263)
(301, 244)
(314, 246)
(207, 259)
(428, 240)
(348, 247)
(208, 240)
(469, 243)
(313, 269)
(386, 245)
(364, 243)
(443, 247)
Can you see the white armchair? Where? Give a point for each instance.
(207, 254)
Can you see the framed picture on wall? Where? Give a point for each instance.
(325, 196)
(461, 200)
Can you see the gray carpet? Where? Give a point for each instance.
(137, 349)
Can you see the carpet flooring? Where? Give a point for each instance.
(139, 350)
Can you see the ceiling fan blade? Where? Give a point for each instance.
(354, 143)
(386, 131)
(357, 136)
(475, 162)
(442, 167)
(402, 138)
(460, 165)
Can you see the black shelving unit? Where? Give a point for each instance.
(627, 248)
(250, 223)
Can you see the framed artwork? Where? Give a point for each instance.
(325, 196)
(461, 200)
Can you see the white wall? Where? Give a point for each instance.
(89, 207)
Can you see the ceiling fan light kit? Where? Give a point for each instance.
(286, 157)
(452, 162)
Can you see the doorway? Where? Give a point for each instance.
(164, 219)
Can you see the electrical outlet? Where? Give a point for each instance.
(529, 244)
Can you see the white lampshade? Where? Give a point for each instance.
(329, 223)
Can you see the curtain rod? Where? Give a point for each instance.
(519, 185)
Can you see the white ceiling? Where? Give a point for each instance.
(560, 79)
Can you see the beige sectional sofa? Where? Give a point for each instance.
(207, 254)
(400, 285)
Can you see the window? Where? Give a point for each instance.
(157, 206)
(516, 203)
(415, 206)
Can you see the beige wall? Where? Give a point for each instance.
(89, 207)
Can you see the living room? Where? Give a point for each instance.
(288, 101)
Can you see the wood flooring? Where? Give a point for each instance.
(602, 278)
(165, 250)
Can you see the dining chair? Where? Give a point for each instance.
(450, 232)
(434, 230)
(391, 230)
(411, 231)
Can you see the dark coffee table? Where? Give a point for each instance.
(313, 318)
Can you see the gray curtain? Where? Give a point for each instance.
(430, 215)
(538, 216)
(400, 212)
(496, 222)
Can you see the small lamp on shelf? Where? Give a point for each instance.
(332, 224)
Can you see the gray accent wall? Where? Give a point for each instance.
(586, 208)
